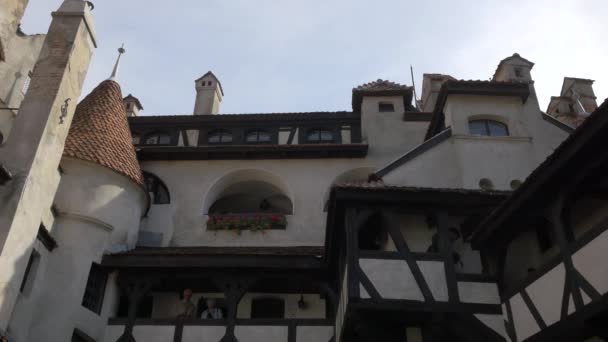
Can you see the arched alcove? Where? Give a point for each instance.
(159, 193)
(249, 191)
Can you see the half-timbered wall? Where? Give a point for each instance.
(567, 283)
(400, 277)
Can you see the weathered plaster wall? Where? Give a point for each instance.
(99, 211)
(34, 155)
(19, 53)
(463, 160)
(305, 182)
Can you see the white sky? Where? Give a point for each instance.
(307, 55)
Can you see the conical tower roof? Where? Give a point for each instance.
(100, 132)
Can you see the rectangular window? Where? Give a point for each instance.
(30, 273)
(96, 287)
(386, 107)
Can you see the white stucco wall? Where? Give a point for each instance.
(463, 160)
(153, 333)
(192, 333)
(525, 325)
(546, 294)
(99, 210)
(589, 262)
(254, 333)
(306, 182)
(314, 333)
(393, 279)
(481, 293)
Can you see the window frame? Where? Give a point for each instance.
(487, 127)
(159, 134)
(257, 133)
(222, 133)
(136, 135)
(98, 284)
(154, 187)
(385, 109)
(320, 132)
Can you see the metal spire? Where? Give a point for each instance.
(121, 50)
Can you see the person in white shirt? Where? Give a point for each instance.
(212, 312)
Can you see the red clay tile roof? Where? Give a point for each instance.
(381, 85)
(382, 88)
(515, 55)
(100, 132)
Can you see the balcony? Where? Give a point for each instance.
(245, 330)
(252, 222)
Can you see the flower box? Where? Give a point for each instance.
(253, 222)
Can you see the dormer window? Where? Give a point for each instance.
(384, 107)
(489, 128)
(320, 136)
(136, 138)
(519, 73)
(219, 137)
(158, 138)
(258, 137)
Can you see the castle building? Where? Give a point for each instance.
(466, 215)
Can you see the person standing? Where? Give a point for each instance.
(212, 312)
(186, 308)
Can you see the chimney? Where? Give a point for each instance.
(514, 68)
(209, 94)
(132, 105)
(580, 92)
(431, 84)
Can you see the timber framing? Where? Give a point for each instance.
(304, 258)
(273, 151)
(570, 158)
(351, 205)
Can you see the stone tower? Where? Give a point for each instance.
(209, 94)
(30, 157)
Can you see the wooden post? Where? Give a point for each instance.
(135, 289)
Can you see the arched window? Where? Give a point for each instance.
(219, 137)
(490, 128)
(159, 194)
(136, 138)
(158, 138)
(1, 138)
(258, 137)
(320, 136)
(247, 197)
